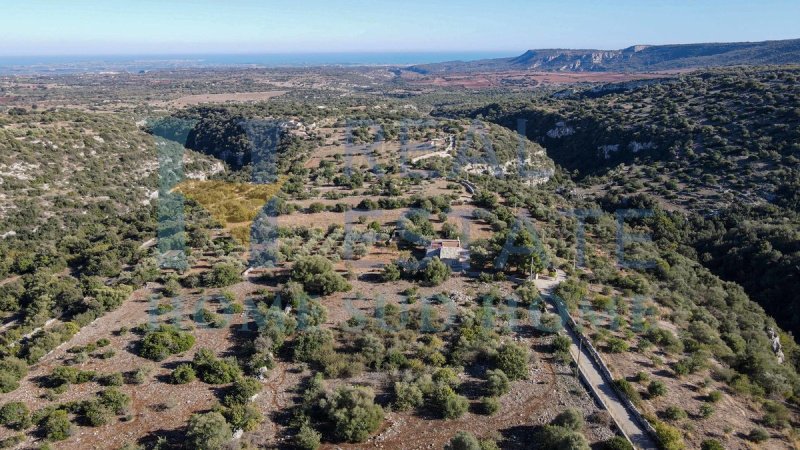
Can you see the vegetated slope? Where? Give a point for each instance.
(74, 212)
(634, 58)
(721, 144)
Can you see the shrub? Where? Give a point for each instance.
(553, 437)
(112, 379)
(307, 438)
(243, 416)
(617, 345)
(714, 396)
(571, 419)
(15, 415)
(629, 391)
(758, 435)
(183, 374)
(512, 359)
(669, 438)
(711, 444)
(242, 391)
(208, 431)
(57, 426)
(115, 400)
(490, 405)
(213, 370)
(222, 275)
(656, 388)
(312, 345)
(353, 413)
(407, 396)
(454, 406)
(11, 371)
(140, 375)
(561, 343)
(463, 441)
(776, 415)
(317, 276)
(96, 414)
(497, 382)
(166, 340)
(435, 273)
(706, 410)
(674, 413)
(617, 443)
(391, 272)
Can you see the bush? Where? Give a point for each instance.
(222, 275)
(183, 374)
(115, 400)
(513, 359)
(656, 388)
(463, 441)
(312, 345)
(407, 396)
(776, 415)
(571, 419)
(714, 396)
(617, 443)
(112, 379)
(711, 444)
(15, 415)
(307, 438)
(353, 413)
(243, 416)
(674, 413)
(553, 437)
(213, 370)
(561, 343)
(11, 371)
(317, 276)
(617, 345)
(628, 390)
(391, 272)
(435, 273)
(706, 410)
(242, 391)
(758, 435)
(208, 431)
(490, 405)
(96, 414)
(497, 383)
(454, 406)
(669, 438)
(166, 340)
(57, 426)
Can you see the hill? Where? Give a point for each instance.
(718, 146)
(636, 58)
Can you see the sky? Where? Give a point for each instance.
(121, 27)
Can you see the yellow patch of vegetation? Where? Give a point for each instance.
(234, 205)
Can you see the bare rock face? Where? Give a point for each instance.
(777, 348)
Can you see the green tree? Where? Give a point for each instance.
(183, 374)
(353, 413)
(497, 382)
(463, 441)
(57, 426)
(307, 438)
(435, 272)
(571, 419)
(512, 359)
(208, 431)
(15, 415)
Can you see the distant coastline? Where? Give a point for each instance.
(64, 64)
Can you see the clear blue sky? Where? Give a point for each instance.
(49, 27)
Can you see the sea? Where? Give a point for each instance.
(20, 65)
